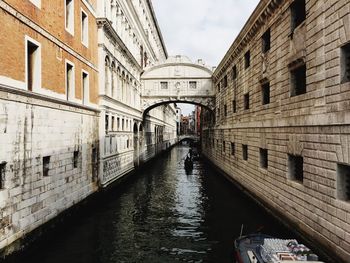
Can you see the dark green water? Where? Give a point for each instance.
(162, 214)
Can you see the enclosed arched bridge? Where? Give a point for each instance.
(177, 80)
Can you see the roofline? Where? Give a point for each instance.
(157, 27)
(244, 31)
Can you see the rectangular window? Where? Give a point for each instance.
(345, 63)
(266, 41)
(106, 122)
(224, 146)
(86, 88)
(84, 28)
(343, 182)
(295, 168)
(2, 175)
(225, 110)
(37, 3)
(298, 81)
(75, 159)
(263, 158)
(265, 93)
(69, 81)
(113, 119)
(234, 106)
(69, 16)
(247, 59)
(193, 84)
(245, 152)
(298, 13)
(46, 165)
(122, 124)
(234, 72)
(164, 85)
(246, 101)
(33, 65)
(118, 124)
(224, 82)
(233, 148)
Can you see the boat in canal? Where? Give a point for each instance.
(188, 162)
(260, 248)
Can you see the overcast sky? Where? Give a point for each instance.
(201, 29)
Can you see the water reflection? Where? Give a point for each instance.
(164, 214)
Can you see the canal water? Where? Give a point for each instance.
(161, 214)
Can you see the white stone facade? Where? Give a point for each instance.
(127, 44)
(49, 153)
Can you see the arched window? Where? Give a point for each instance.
(107, 76)
(113, 79)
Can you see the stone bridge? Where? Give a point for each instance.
(177, 80)
(189, 137)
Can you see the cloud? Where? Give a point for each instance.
(202, 28)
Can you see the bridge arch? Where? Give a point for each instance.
(177, 80)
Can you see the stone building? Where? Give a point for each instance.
(71, 119)
(129, 41)
(281, 126)
(48, 111)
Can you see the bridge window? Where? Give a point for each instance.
(345, 63)
(193, 84)
(46, 165)
(233, 148)
(295, 167)
(234, 72)
(298, 81)
(343, 182)
(2, 174)
(164, 85)
(263, 158)
(298, 13)
(247, 59)
(246, 101)
(245, 152)
(234, 106)
(266, 41)
(265, 93)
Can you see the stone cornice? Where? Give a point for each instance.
(37, 99)
(108, 28)
(158, 28)
(263, 11)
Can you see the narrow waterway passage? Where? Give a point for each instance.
(161, 215)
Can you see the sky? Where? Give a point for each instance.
(201, 29)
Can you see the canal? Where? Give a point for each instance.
(161, 214)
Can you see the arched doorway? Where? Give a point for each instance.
(136, 146)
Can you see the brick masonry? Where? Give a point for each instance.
(314, 125)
